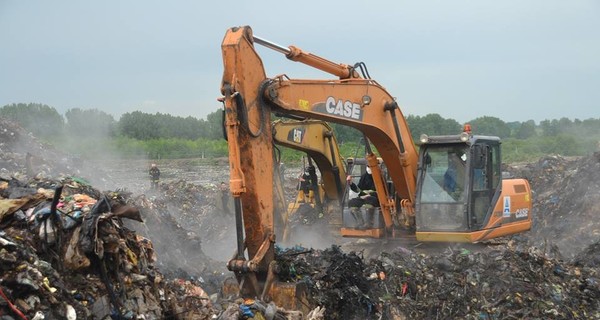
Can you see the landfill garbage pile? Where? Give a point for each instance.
(71, 251)
(21, 153)
(566, 203)
(180, 249)
(589, 257)
(176, 215)
(66, 254)
(512, 282)
(193, 211)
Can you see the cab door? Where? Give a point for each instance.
(484, 182)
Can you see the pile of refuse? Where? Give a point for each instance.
(566, 203)
(66, 254)
(550, 272)
(69, 251)
(510, 282)
(23, 154)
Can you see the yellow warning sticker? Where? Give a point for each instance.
(303, 104)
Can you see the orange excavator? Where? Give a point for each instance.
(452, 190)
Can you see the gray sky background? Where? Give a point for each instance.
(513, 59)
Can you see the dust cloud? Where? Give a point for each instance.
(317, 236)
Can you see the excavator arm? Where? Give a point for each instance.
(250, 97)
(248, 130)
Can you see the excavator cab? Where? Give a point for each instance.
(461, 195)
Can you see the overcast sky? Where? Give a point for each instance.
(512, 59)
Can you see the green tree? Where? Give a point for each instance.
(562, 144)
(346, 134)
(549, 128)
(590, 128)
(491, 126)
(565, 125)
(514, 150)
(139, 125)
(214, 125)
(90, 123)
(526, 130)
(186, 128)
(144, 126)
(40, 119)
(514, 127)
(432, 125)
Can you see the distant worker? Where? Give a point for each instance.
(224, 197)
(367, 198)
(154, 176)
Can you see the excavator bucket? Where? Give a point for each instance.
(290, 296)
(230, 288)
(286, 295)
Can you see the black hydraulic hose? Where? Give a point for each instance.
(391, 107)
(53, 213)
(243, 116)
(239, 227)
(114, 300)
(224, 130)
(262, 109)
(242, 109)
(363, 69)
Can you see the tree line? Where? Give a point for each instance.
(164, 135)
(43, 120)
